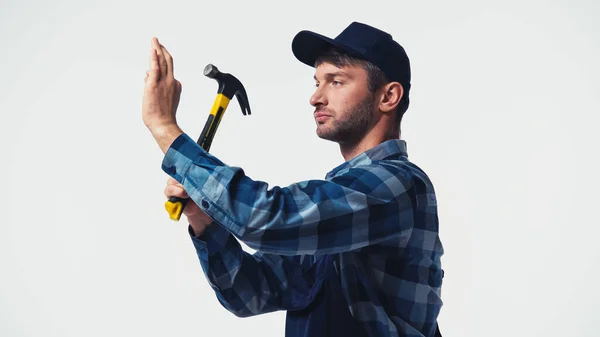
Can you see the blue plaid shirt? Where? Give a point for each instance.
(376, 213)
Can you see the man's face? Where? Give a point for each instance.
(343, 104)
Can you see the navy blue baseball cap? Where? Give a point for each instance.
(362, 41)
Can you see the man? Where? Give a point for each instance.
(354, 254)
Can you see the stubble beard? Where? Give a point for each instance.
(353, 127)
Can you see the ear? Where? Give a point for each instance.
(391, 94)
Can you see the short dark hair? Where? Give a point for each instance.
(376, 78)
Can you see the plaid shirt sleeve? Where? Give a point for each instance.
(250, 284)
(355, 208)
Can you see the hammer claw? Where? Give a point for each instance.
(243, 101)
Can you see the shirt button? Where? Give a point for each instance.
(205, 204)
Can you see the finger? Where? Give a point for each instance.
(175, 191)
(172, 181)
(154, 72)
(162, 63)
(178, 193)
(168, 59)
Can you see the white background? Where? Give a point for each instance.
(503, 114)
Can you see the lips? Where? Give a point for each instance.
(321, 115)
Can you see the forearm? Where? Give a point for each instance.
(246, 284)
(348, 212)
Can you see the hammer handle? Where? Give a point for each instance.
(214, 119)
(175, 205)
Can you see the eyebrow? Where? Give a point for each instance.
(332, 75)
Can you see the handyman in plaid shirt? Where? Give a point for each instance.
(354, 254)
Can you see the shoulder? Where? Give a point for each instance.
(397, 175)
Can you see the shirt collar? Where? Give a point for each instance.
(390, 148)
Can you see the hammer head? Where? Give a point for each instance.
(229, 86)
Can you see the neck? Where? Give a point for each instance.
(372, 138)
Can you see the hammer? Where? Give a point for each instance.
(229, 86)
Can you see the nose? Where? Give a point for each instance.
(318, 98)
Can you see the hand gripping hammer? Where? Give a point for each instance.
(228, 87)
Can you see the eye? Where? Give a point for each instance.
(336, 83)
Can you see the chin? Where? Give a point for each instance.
(326, 134)
(321, 131)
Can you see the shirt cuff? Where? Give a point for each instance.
(204, 177)
(180, 156)
(212, 240)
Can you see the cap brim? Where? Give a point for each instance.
(307, 46)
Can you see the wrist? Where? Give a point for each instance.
(165, 134)
(198, 228)
(199, 222)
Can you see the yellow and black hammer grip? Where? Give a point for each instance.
(175, 205)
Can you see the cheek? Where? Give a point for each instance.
(346, 103)
(341, 100)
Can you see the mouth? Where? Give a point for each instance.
(320, 117)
